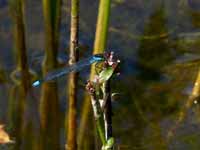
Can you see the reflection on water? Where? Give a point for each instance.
(158, 43)
(3, 3)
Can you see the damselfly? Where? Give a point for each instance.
(73, 68)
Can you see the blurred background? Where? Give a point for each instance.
(158, 43)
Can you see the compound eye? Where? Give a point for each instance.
(98, 57)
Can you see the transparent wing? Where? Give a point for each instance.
(73, 68)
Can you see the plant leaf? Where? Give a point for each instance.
(109, 144)
(105, 74)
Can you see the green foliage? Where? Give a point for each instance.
(109, 144)
(106, 74)
(99, 47)
(99, 91)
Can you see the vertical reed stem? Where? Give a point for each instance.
(23, 83)
(99, 47)
(72, 80)
(17, 9)
(49, 105)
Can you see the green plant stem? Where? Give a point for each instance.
(98, 115)
(100, 130)
(102, 26)
(99, 47)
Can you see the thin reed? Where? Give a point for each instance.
(71, 117)
(18, 93)
(49, 105)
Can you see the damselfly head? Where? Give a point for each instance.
(98, 57)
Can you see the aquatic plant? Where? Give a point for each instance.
(100, 95)
(72, 79)
(49, 105)
(20, 76)
(99, 47)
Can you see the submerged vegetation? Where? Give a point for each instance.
(153, 104)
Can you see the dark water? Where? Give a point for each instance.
(158, 43)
